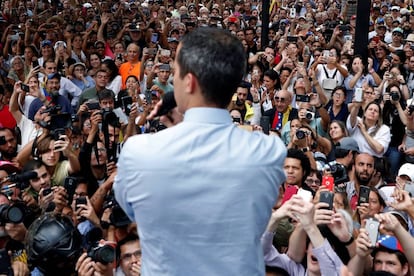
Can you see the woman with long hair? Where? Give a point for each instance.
(371, 134)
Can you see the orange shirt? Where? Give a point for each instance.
(127, 69)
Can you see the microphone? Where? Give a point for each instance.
(15, 178)
(168, 103)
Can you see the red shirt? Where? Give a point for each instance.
(6, 118)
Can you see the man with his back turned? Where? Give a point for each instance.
(202, 191)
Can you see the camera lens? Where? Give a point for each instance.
(395, 96)
(309, 115)
(300, 134)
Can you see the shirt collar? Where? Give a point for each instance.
(208, 115)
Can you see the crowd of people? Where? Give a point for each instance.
(80, 87)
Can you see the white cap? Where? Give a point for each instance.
(408, 170)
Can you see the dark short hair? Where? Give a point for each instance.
(106, 94)
(304, 161)
(129, 238)
(217, 60)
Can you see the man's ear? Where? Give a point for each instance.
(191, 83)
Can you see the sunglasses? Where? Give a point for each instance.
(281, 99)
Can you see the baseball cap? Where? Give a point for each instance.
(408, 170)
(59, 43)
(401, 216)
(398, 29)
(348, 143)
(393, 8)
(45, 43)
(390, 242)
(53, 76)
(8, 167)
(34, 107)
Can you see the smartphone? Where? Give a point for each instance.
(70, 186)
(372, 226)
(292, 13)
(305, 194)
(47, 191)
(127, 104)
(93, 106)
(80, 200)
(289, 192)
(291, 38)
(376, 39)
(363, 194)
(148, 96)
(326, 54)
(152, 51)
(302, 98)
(155, 14)
(359, 93)
(328, 182)
(165, 53)
(327, 197)
(14, 37)
(35, 63)
(119, 57)
(154, 38)
(344, 28)
(25, 87)
(265, 124)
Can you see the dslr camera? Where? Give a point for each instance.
(338, 171)
(11, 213)
(395, 96)
(301, 134)
(101, 253)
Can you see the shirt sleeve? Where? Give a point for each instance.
(329, 262)
(273, 258)
(383, 136)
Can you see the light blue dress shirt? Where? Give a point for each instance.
(201, 193)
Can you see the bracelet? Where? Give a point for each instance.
(319, 106)
(351, 240)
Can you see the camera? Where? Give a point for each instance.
(118, 218)
(300, 134)
(410, 110)
(102, 253)
(395, 96)
(11, 213)
(310, 115)
(338, 171)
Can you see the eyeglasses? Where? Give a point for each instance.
(338, 95)
(101, 150)
(100, 47)
(310, 181)
(370, 93)
(397, 34)
(280, 99)
(127, 256)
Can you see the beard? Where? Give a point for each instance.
(362, 179)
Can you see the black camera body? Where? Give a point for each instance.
(410, 109)
(11, 213)
(103, 254)
(395, 96)
(338, 171)
(300, 134)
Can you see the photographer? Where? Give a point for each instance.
(394, 118)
